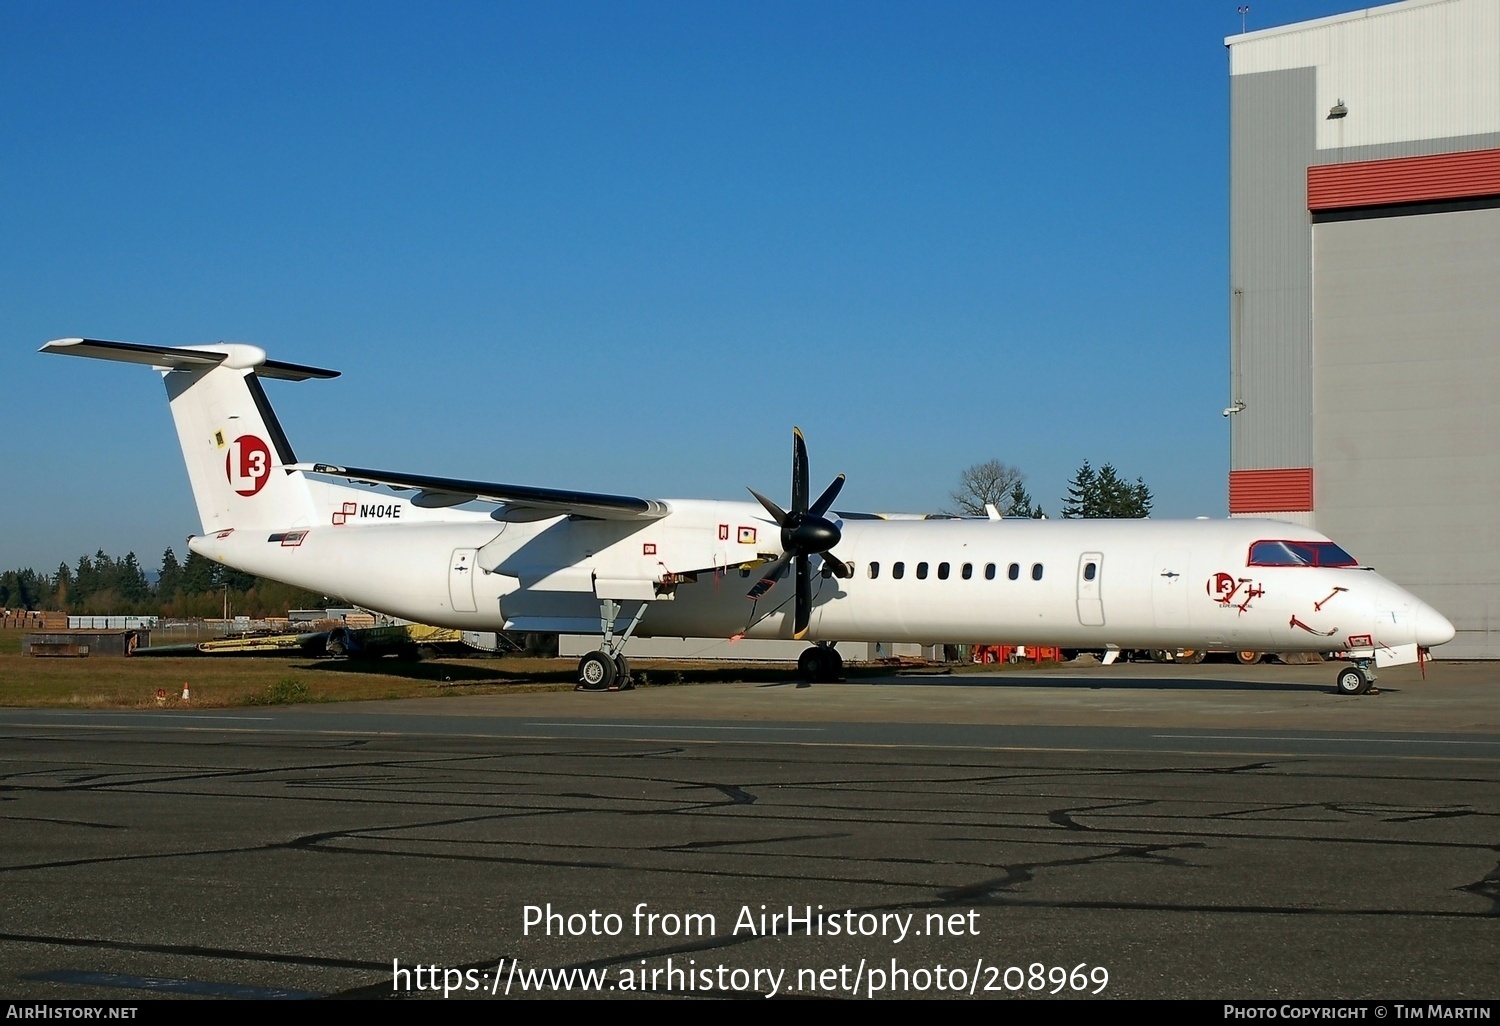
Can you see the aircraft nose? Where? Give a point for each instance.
(1433, 628)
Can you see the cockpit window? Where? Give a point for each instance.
(1299, 553)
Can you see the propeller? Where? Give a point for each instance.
(805, 532)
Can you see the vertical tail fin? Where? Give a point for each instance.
(235, 450)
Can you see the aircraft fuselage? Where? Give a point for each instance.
(1072, 583)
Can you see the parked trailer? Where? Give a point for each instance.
(84, 643)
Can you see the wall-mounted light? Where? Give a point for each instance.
(1338, 110)
(1238, 406)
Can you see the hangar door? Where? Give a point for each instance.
(1406, 372)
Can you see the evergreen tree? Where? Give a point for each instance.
(1082, 497)
(1141, 498)
(130, 580)
(34, 590)
(169, 579)
(61, 587)
(1111, 499)
(85, 581)
(199, 575)
(1103, 493)
(1021, 505)
(237, 580)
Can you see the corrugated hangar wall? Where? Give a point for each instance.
(1365, 301)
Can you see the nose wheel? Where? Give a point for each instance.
(1355, 680)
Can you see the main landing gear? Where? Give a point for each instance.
(1356, 679)
(606, 669)
(820, 664)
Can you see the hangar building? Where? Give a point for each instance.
(1365, 294)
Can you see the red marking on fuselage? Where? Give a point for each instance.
(1221, 586)
(1318, 606)
(1322, 634)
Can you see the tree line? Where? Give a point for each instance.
(1091, 493)
(195, 587)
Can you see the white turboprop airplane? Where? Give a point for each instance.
(551, 560)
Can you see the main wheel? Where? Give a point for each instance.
(810, 664)
(1248, 658)
(1192, 656)
(622, 673)
(596, 671)
(1353, 681)
(833, 664)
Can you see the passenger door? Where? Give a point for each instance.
(461, 570)
(1090, 589)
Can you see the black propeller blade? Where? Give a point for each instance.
(804, 532)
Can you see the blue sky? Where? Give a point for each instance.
(620, 246)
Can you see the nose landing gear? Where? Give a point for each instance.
(1356, 679)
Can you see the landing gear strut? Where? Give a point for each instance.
(1356, 679)
(606, 669)
(820, 664)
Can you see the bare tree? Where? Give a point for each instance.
(987, 482)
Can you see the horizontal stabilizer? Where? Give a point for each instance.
(234, 354)
(519, 499)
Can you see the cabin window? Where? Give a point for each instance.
(898, 570)
(968, 571)
(1014, 573)
(989, 571)
(921, 571)
(1036, 571)
(1299, 553)
(942, 571)
(1090, 571)
(874, 570)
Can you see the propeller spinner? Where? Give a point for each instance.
(805, 532)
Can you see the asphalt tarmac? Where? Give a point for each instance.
(1127, 831)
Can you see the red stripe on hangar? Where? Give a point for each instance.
(1375, 183)
(1271, 491)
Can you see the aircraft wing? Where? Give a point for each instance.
(521, 502)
